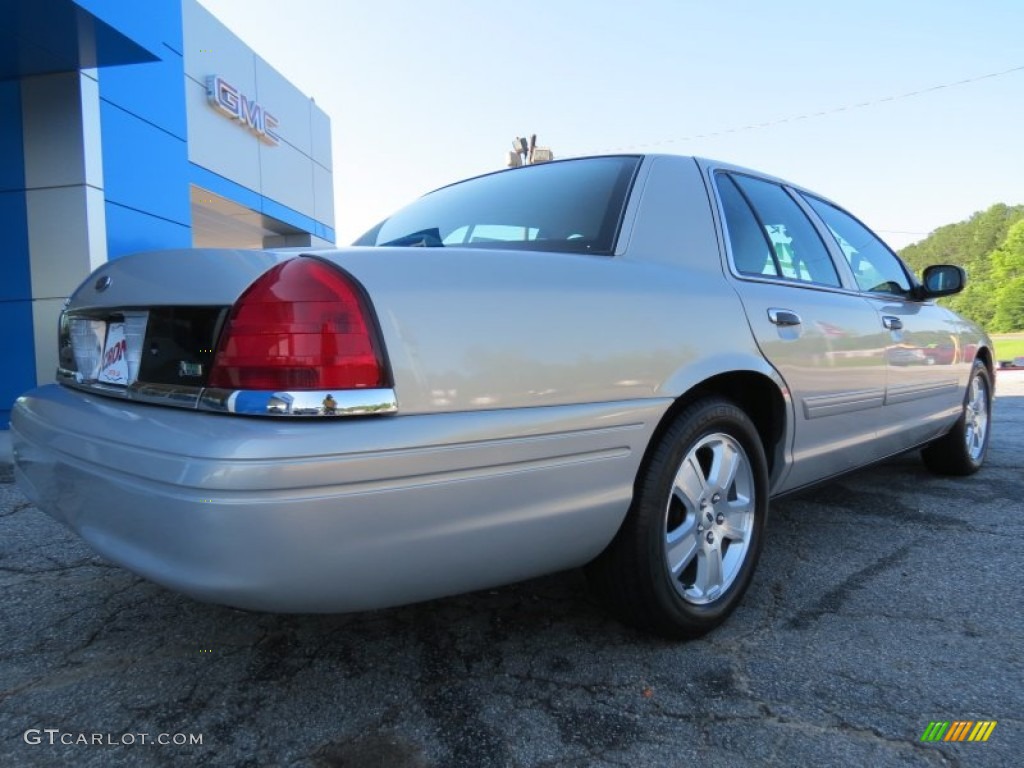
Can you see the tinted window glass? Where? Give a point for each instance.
(478, 233)
(751, 252)
(875, 268)
(573, 205)
(799, 252)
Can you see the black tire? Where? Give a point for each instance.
(962, 450)
(648, 576)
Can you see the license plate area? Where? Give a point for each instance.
(114, 361)
(109, 351)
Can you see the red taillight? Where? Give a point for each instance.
(301, 326)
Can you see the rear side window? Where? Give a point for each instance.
(770, 234)
(875, 268)
(572, 205)
(751, 249)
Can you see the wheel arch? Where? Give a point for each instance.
(985, 355)
(758, 395)
(632, 574)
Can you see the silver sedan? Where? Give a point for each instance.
(612, 362)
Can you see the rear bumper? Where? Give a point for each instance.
(335, 515)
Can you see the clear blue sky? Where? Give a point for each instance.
(425, 92)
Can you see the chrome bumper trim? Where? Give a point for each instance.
(324, 403)
(349, 402)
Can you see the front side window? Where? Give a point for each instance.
(769, 233)
(574, 206)
(875, 268)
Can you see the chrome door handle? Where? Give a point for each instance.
(784, 316)
(892, 323)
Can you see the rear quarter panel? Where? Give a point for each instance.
(469, 329)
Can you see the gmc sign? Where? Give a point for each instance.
(226, 98)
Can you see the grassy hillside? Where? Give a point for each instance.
(1008, 345)
(990, 246)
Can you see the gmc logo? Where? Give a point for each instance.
(253, 116)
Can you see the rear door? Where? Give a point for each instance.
(824, 339)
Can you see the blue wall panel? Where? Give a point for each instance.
(145, 154)
(154, 92)
(12, 160)
(144, 167)
(19, 374)
(150, 23)
(130, 231)
(43, 36)
(16, 279)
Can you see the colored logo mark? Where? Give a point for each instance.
(958, 730)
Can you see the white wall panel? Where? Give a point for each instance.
(45, 316)
(66, 237)
(287, 103)
(218, 143)
(61, 123)
(213, 49)
(287, 176)
(321, 125)
(323, 191)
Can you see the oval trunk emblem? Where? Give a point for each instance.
(103, 283)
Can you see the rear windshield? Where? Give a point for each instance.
(570, 205)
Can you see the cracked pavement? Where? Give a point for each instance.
(883, 600)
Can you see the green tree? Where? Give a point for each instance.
(1008, 281)
(973, 245)
(1008, 258)
(1009, 314)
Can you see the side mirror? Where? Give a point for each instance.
(942, 280)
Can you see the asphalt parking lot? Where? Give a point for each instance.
(884, 601)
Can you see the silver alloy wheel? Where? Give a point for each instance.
(976, 418)
(709, 518)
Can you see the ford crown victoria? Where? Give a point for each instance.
(611, 362)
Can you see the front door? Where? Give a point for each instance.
(926, 367)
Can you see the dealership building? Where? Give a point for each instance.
(134, 126)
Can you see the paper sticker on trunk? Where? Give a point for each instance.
(114, 366)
